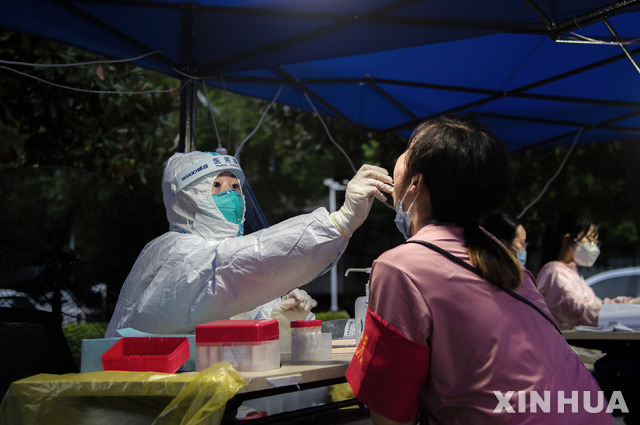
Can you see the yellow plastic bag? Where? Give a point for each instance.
(193, 407)
(122, 398)
(341, 392)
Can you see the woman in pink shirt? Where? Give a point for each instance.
(571, 242)
(456, 332)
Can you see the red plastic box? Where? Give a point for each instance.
(147, 354)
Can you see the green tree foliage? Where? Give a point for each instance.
(76, 332)
(597, 177)
(122, 138)
(48, 124)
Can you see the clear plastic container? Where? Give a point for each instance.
(249, 345)
(308, 343)
(306, 327)
(361, 305)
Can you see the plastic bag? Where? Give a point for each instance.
(193, 407)
(122, 397)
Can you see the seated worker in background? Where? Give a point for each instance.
(453, 323)
(204, 269)
(570, 242)
(510, 232)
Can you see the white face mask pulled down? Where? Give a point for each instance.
(586, 254)
(403, 218)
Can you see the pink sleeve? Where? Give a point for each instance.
(395, 298)
(387, 370)
(570, 299)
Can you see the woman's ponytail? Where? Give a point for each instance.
(495, 263)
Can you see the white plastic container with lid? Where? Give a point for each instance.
(249, 345)
(308, 343)
(361, 305)
(306, 327)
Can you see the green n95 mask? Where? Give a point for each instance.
(231, 205)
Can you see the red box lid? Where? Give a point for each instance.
(238, 331)
(305, 323)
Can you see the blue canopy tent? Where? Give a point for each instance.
(383, 65)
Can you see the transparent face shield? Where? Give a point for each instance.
(209, 163)
(254, 218)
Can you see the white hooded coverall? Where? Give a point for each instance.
(200, 271)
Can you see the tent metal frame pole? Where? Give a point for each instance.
(602, 124)
(398, 105)
(591, 17)
(543, 16)
(614, 33)
(113, 31)
(385, 19)
(518, 92)
(189, 93)
(305, 89)
(301, 37)
(188, 116)
(488, 92)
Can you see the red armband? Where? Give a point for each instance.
(388, 371)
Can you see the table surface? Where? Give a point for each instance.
(172, 384)
(594, 335)
(608, 342)
(300, 373)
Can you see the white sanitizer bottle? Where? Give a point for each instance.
(362, 303)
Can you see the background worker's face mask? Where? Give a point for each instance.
(231, 205)
(586, 254)
(521, 255)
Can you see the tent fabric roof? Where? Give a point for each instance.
(531, 90)
(382, 64)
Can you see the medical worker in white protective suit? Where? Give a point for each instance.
(203, 269)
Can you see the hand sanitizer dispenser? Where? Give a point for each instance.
(362, 303)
